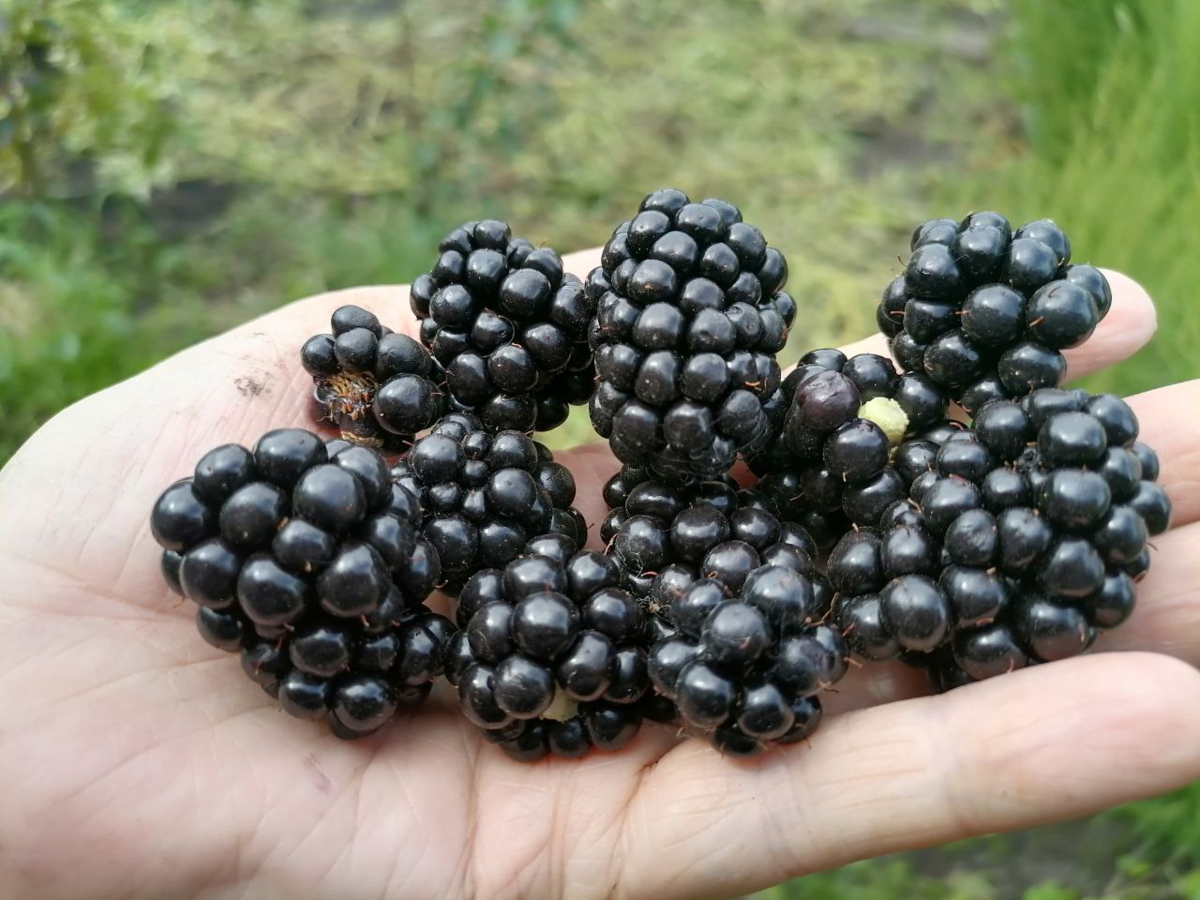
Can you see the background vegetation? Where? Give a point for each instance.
(170, 168)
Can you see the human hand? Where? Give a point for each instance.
(139, 762)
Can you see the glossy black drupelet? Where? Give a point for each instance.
(744, 664)
(303, 557)
(551, 656)
(507, 327)
(690, 312)
(1028, 539)
(854, 434)
(985, 311)
(485, 495)
(370, 383)
(665, 536)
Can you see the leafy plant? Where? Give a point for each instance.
(79, 109)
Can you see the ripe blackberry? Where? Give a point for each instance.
(369, 382)
(1028, 537)
(303, 557)
(690, 312)
(484, 495)
(665, 537)
(507, 328)
(854, 435)
(985, 310)
(746, 663)
(550, 657)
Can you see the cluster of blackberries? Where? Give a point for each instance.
(665, 537)
(1024, 537)
(965, 549)
(370, 383)
(747, 659)
(985, 310)
(304, 557)
(485, 495)
(507, 328)
(690, 312)
(838, 458)
(733, 607)
(551, 655)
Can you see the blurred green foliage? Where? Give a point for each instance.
(1109, 95)
(310, 146)
(76, 83)
(171, 168)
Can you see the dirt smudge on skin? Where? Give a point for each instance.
(249, 386)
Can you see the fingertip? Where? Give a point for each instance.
(582, 262)
(1094, 711)
(1129, 326)
(1132, 305)
(1131, 301)
(389, 302)
(1161, 689)
(876, 343)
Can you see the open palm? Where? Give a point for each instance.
(137, 761)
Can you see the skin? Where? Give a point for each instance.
(138, 762)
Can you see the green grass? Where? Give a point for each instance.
(75, 317)
(298, 152)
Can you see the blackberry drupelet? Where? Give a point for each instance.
(507, 328)
(550, 657)
(485, 495)
(664, 537)
(690, 312)
(303, 557)
(854, 435)
(746, 663)
(369, 382)
(1027, 539)
(985, 310)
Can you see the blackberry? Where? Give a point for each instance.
(369, 382)
(855, 433)
(746, 663)
(550, 657)
(690, 312)
(985, 311)
(484, 495)
(1026, 540)
(664, 537)
(507, 328)
(305, 558)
